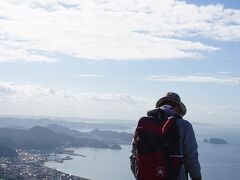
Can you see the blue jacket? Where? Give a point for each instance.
(188, 148)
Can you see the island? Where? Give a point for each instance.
(215, 141)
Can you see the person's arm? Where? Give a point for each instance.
(190, 153)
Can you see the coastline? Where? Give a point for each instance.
(31, 165)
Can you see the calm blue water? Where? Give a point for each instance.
(99, 164)
(219, 162)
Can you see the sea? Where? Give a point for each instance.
(218, 161)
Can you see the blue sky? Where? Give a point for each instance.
(115, 59)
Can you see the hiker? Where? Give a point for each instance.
(183, 153)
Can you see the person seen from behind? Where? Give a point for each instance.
(175, 145)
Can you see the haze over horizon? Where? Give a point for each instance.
(111, 59)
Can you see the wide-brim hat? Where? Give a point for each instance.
(172, 98)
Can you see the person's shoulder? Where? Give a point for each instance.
(182, 123)
(185, 128)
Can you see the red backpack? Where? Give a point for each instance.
(156, 141)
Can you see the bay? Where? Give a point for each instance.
(99, 164)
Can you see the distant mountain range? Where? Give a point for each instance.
(47, 134)
(21, 123)
(35, 138)
(53, 136)
(110, 137)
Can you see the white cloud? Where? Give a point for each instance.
(39, 100)
(89, 75)
(196, 79)
(111, 30)
(14, 54)
(225, 72)
(37, 93)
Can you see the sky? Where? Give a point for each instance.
(113, 59)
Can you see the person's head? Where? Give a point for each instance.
(174, 100)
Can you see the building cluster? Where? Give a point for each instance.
(30, 166)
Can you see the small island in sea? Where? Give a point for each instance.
(215, 141)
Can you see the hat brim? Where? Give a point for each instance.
(166, 100)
